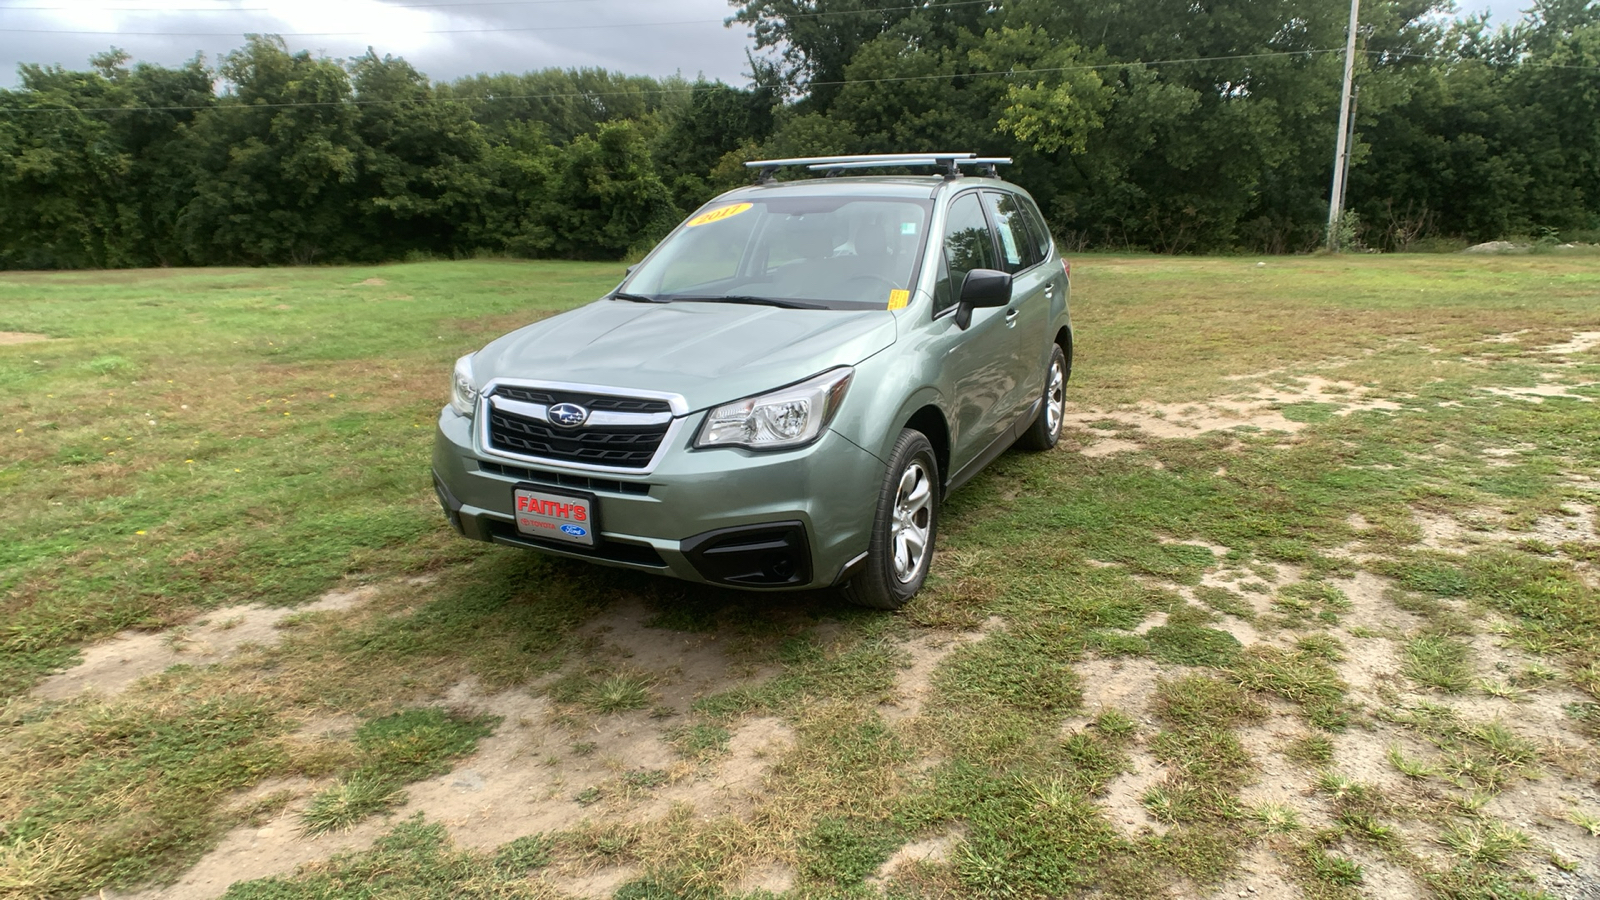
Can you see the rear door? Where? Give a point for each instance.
(1028, 317)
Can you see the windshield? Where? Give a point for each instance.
(807, 252)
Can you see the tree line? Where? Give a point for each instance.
(1168, 125)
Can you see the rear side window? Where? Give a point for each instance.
(1041, 231)
(1019, 249)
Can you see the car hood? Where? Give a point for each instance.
(710, 353)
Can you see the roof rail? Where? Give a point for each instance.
(988, 164)
(951, 163)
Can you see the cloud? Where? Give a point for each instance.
(444, 42)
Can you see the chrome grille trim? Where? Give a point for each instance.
(674, 421)
(599, 418)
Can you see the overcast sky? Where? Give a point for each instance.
(443, 38)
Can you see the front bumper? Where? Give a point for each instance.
(788, 519)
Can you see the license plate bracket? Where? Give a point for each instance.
(557, 515)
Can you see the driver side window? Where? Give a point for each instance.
(968, 245)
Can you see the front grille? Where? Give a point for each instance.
(622, 446)
(587, 401)
(562, 479)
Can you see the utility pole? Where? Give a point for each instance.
(1341, 153)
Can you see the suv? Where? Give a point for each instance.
(779, 395)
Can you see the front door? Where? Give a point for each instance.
(981, 361)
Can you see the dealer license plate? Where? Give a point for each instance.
(556, 516)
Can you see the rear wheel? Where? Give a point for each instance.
(1046, 429)
(904, 528)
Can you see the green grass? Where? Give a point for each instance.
(1439, 662)
(392, 750)
(196, 439)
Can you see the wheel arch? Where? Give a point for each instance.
(1064, 341)
(931, 422)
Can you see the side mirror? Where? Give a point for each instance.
(982, 289)
(630, 270)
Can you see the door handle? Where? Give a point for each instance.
(1011, 318)
(1049, 290)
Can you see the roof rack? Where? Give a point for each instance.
(951, 163)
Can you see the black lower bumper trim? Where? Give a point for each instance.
(447, 500)
(609, 549)
(770, 555)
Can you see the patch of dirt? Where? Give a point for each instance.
(1229, 580)
(111, 666)
(1574, 524)
(250, 852)
(683, 665)
(1362, 755)
(1154, 620)
(733, 784)
(931, 851)
(1370, 665)
(1369, 607)
(1278, 780)
(539, 771)
(21, 337)
(1538, 393)
(1124, 797)
(1383, 880)
(1582, 342)
(1124, 685)
(1482, 528)
(372, 282)
(1259, 409)
(914, 683)
(1120, 684)
(1260, 874)
(773, 877)
(601, 883)
(1242, 631)
(1109, 447)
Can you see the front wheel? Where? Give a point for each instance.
(903, 529)
(1046, 429)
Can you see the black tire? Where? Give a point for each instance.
(1046, 428)
(910, 488)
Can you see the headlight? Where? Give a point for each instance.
(789, 417)
(463, 390)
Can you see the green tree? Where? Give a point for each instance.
(421, 183)
(717, 120)
(277, 163)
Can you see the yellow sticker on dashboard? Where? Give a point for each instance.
(899, 299)
(717, 215)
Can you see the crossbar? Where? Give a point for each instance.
(882, 159)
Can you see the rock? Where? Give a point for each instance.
(1494, 247)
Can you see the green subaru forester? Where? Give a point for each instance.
(780, 395)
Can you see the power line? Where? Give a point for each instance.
(535, 28)
(1051, 70)
(1437, 57)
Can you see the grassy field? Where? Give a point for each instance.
(1306, 603)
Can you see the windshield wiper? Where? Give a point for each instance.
(636, 298)
(759, 301)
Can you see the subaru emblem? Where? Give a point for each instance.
(568, 415)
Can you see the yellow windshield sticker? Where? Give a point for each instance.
(717, 215)
(899, 299)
